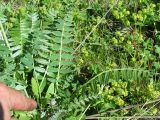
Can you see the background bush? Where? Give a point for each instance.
(82, 59)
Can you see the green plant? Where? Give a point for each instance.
(78, 59)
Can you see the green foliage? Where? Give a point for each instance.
(81, 59)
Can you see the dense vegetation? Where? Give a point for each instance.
(82, 59)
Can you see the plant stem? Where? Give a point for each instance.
(4, 36)
(84, 111)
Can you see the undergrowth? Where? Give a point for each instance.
(85, 59)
